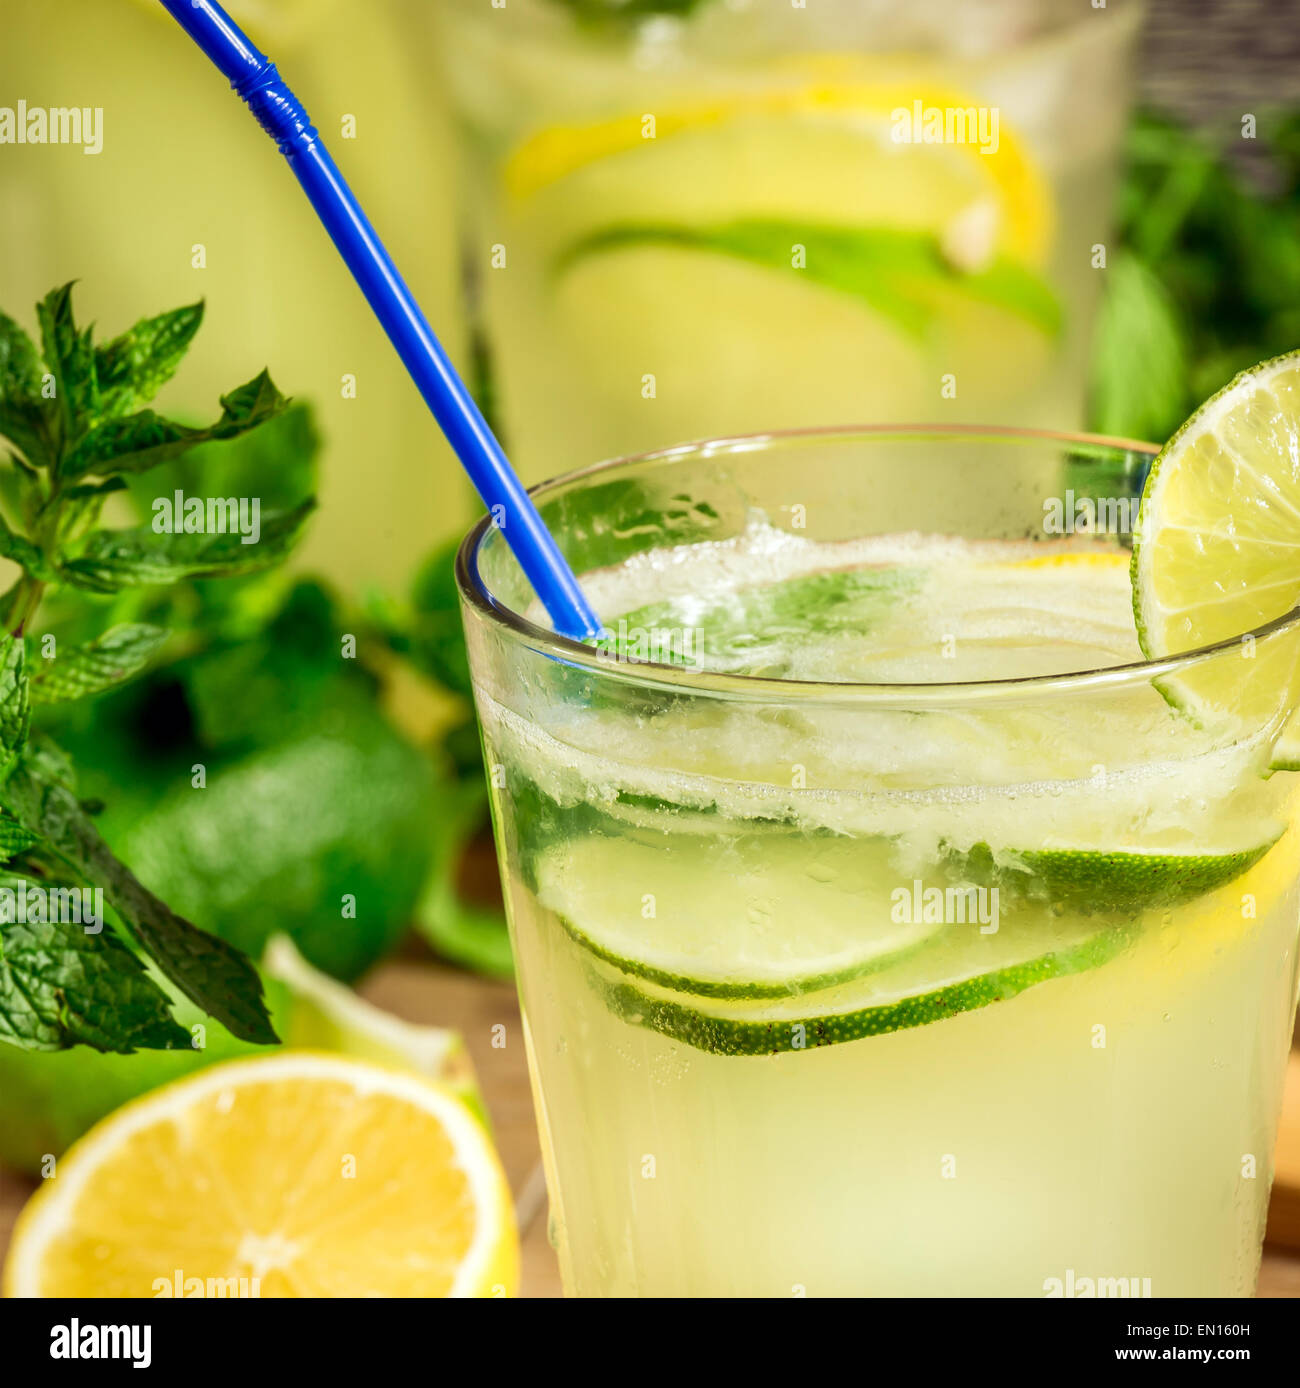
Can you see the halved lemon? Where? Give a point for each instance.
(297, 1174)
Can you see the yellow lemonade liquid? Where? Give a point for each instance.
(965, 1000)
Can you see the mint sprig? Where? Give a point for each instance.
(211, 973)
(77, 420)
(99, 665)
(142, 440)
(22, 412)
(1209, 282)
(114, 559)
(133, 368)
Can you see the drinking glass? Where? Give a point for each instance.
(762, 1065)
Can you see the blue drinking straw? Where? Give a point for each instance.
(281, 115)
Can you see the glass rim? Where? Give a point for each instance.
(683, 679)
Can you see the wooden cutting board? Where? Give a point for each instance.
(425, 992)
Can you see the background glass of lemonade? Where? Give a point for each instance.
(762, 1064)
(844, 211)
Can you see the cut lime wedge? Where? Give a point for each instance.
(322, 1014)
(1216, 551)
(745, 916)
(958, 972)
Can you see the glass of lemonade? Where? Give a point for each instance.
(885, 924)
(872, 212)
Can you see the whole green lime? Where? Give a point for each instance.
(323, 835)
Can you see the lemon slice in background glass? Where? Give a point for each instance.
(823, 147)
(777, 204)
(316, 1175)
(1216, 550)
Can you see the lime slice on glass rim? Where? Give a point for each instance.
(1216, 549)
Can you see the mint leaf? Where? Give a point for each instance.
(276, 462)
(20, 362)
(134, 367)
(70, 357)
(143, 440)
(899, 274)
(251, 404)
(24, 553)
(211, 973)
(114, 559)
(109, 660)
(60, 986)
(80, 507)
(1139, 370)
(14, 838)
(91, 435)
(22, 412)
(15, 708)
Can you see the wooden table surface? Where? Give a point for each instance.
(429, 993)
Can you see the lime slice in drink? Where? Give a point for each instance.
(745, 916)
(957, 972)
(1115, 880)
(1216, 551)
